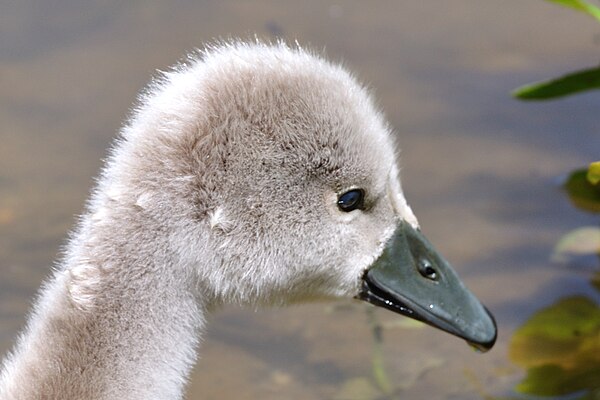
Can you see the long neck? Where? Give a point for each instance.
(118, 320)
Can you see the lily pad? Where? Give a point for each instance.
(581, 192)
(560, 348)
(578, 242)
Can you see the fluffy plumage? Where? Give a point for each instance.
(222, 188)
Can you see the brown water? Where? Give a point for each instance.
(479, 168)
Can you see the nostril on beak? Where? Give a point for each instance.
(426, 269)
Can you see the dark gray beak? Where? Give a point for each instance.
(412, 279)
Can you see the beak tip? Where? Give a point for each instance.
(397, 281)
(486, 343)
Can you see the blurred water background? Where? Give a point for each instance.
(479, 168)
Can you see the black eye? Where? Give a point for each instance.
(351, 200)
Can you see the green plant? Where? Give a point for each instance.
(582, 185)
(587, 79)
(559, 345)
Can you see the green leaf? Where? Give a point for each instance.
(563, 86)
(580, 5)
(559, 346)
(581, 192)
(593, 174)
(551, 380)
(578, 242)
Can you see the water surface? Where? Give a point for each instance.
(478, 168)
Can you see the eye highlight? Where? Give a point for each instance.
(351, 200)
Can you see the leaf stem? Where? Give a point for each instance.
(379, 372)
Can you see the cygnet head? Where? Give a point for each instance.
(275, 179)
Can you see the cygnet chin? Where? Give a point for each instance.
(252, 174)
